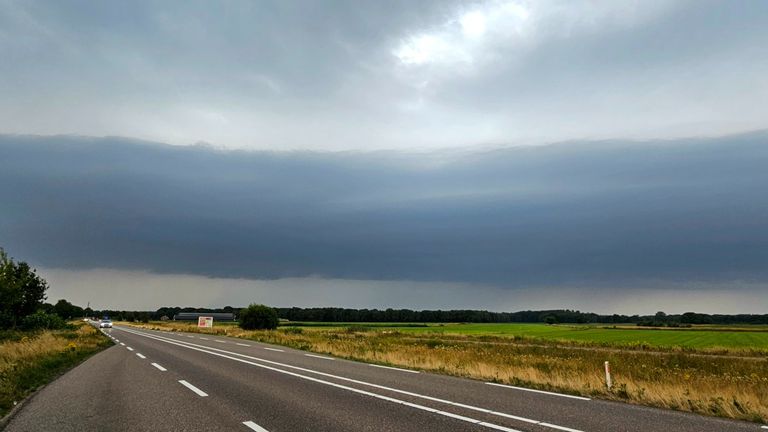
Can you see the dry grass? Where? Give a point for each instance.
(35, 358)
(734, 387)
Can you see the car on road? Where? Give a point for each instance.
(105, 324)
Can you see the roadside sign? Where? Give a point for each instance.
(205, 322)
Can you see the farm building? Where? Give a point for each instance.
(193, 316)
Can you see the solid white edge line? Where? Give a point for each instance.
(140, 355)
(539, 391)
(241, 344)
(129, 348)
(273, 349)
(319, 356)
(193, 388)
(254, 426)
(562, 428)
(203, 348)
(497, 427)
(460, 417)
(393, 368)
(162, 369)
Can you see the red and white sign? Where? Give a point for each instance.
(205, 322)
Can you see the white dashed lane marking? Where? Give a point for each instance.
(140, 355)
(162, 369)
(273, 349)
(241, 344)
(254, 426)
(193, 388)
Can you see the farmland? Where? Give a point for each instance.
(698, 338)
(725, 339)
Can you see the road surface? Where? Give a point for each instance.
(159, 381)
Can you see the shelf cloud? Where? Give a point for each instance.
(579, 213)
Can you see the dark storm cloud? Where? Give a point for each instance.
(588, 212)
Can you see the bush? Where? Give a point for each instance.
(258, 317)
(550, 319)
(42, 320)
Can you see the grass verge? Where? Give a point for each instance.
(29, 360)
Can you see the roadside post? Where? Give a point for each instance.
(607, 375)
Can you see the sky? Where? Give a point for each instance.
(502, 155)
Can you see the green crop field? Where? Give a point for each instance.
(689, 338)
(741, 337)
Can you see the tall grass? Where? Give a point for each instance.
(29, 360)
(687, 380)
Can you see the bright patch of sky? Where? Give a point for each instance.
(464, 37)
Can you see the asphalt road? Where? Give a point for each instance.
(158, 381)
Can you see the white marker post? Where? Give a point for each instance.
(608, 375)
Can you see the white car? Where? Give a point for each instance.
(105, 324)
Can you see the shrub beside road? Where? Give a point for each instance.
(31, 359)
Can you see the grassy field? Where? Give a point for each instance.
(699, 338)
(568, 359)
(737, 339)
(29, 360)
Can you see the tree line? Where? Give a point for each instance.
(332, 314)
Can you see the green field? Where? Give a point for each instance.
(740, 338)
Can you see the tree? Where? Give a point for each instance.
(258, 316)
(22, 291)
(67, 310)
(550, 319)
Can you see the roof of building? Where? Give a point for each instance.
(221, 316)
